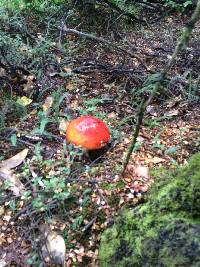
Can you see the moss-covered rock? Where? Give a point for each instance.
(162, 232)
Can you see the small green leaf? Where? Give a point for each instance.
(65, 75)
(43, 124)
(77, 222)
(87, 191)
(171, 150)
(38, 151)
(13, 139)
(12, 205)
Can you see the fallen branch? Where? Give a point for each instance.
(104, 41)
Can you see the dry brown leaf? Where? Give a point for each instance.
(144, 188)
(69, 86)
(2, 211)
(142, 171)
(28, 86)
(67, 69)
(156, 160)
(2, 72)
(58, 59)
(139, 171)
(3, 263)
(15, 160)
(63, 126)
(54, 245)
(8, 175)
(112, 115)
(174, 101)
(171, 113)
(15, 185)
(48, 103)
(151, 110)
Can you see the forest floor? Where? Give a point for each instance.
(106, 83)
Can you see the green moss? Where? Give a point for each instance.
(165, 230)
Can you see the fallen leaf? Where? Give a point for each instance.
(3, 263)
(29, 85)
(23, 48)
(9, 240)
(48, 103)
(2, 72)
(69, 86)
(58, 59)
(142, 171)
(171, 113)
(24, 101)
(63, 126)
(7, 218)
(53, 247)
(156, 160)
(174, 101)
(2, 210)
(15, 160)
(68, 70)
(53, 74)
(130, 195)
(144, 188)
(112, 115)
(15, 185)
(151, 110)
(139, 171)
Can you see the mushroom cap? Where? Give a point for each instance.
(88, 132)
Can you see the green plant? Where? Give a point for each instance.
(11, 110)
(191, 92)
(90, 107)
(127, 6)
(77, 222)
(178, 5)
(156, 142)
(36, 5)
(34, 260)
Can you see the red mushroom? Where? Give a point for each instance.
(88, 132)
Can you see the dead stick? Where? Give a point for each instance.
(102, 40)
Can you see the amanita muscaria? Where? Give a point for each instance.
(88, 132)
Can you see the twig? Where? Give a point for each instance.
(137, 129)
(195, 129)
(87, 226)
(182, 42)
(25, 142)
